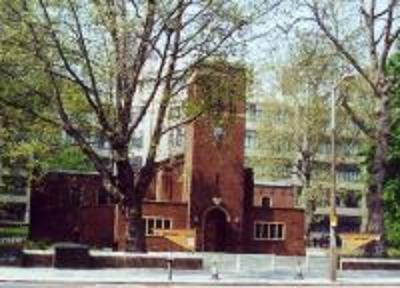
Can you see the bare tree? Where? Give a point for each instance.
(375, 25)
(112, 55)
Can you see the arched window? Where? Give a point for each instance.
(266, 202)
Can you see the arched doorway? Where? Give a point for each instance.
(215, 230)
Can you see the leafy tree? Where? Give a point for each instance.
(110, 56)
(392, 184)
(350, 27)
(297, 122)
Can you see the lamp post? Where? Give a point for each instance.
(333, 219)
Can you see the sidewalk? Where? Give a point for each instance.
(200, 278)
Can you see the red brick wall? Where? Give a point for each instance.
(96, 226)
(54, 210)
(293, 244)
(56, 216)
(281, 197)
(177, 212)
(167, 184)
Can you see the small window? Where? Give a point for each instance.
(150, 226)
(14, 184)
(264, 232)
(272, 231)
(279, 231)
(250, 140)
(176, 137)
(157, 223)
(99, 141)
(258, 231)
(266, 202)
(269, 231)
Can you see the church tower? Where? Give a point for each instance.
(214, 157)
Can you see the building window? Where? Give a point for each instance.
(349, 149)
(352, 199)
(272, 231)
(253, 111)
(325, 148)
(348, 175)
(266, 202)
(13, 212)
(14, 185)
(137, 140)
(156, 223)
(250, 139)
(99, 141)
(175, 113)
(176, 137)
(137, 162)
(167, 184)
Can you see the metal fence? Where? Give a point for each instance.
(314, 263)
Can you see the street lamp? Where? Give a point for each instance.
(333, 219)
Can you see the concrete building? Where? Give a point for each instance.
(279, 167)
(14, 193)
(206, 190)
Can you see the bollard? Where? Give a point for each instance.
(273, 262)
(169, 267)
(299, 272)
(237, 263)
(307, 262)
(214, 271)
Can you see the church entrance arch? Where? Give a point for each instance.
(215, 228)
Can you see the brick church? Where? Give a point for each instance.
(206, 190)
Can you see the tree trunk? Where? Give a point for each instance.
(132, 203)
(136, 229)
(376, 187)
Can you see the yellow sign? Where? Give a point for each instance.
(354, 241)
(333, 220)
(185, 238)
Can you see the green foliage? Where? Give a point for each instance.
(17, 231)
(37, 245)
(24, 134)
(392, 183)
(219, 87)
(393, 252)
(392, 211)
(68, 158)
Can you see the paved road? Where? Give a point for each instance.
(85, 285)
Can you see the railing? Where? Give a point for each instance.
(14, 198)
(341, 211)
(255, 264)
(11, 240)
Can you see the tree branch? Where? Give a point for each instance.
(335, 41)
(182, 123)
(368, 131)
